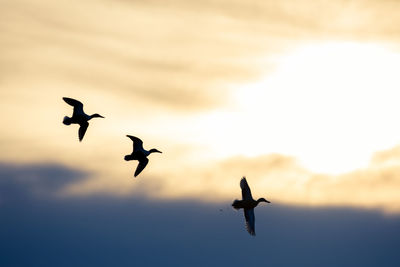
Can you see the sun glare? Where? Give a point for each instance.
(331, 105)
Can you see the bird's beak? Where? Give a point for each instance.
(268, 201)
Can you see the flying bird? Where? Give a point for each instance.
(139, 154)
(248, 204)
(79, 116)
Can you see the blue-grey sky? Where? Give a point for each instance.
(300, 96)
(41, 229)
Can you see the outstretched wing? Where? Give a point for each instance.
(142, 164)
(250, 221)
(246, 192)
(78, 106)
(82, 130)
(137, 143)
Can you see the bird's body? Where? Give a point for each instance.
(245, 204)
(79, 116)
(140, 154)
(248, 204)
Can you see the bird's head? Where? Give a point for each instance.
(96, 115)
(262, 200)
(153, 150)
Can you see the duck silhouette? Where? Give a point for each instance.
(140, 154)
(248, 204)
(79, 116)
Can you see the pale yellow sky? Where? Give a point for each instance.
(297, 95)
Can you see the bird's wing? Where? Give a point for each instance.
(246, 192)
(142, 164)
(78, 106)
(137, 143)
(82, 130)
(250, 221)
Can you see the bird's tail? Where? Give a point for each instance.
(67, 120)
(128, 157)
(236, 204)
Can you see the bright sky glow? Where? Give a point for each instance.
(332, 105)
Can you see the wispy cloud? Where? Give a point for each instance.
(19, 182)
(144, 52)
(279, 178)
(155, 68)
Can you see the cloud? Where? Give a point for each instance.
(19, 182)
(280, 179)
(283, 180)
(143, 53)
(142, 63)
(177, 69)
(375, 186)
(304, 19)
(103, 231)
(387, 157)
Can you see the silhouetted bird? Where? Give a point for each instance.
(79, 116)
(139, 153)
(248, 204)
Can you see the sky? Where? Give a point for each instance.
(301, 97)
